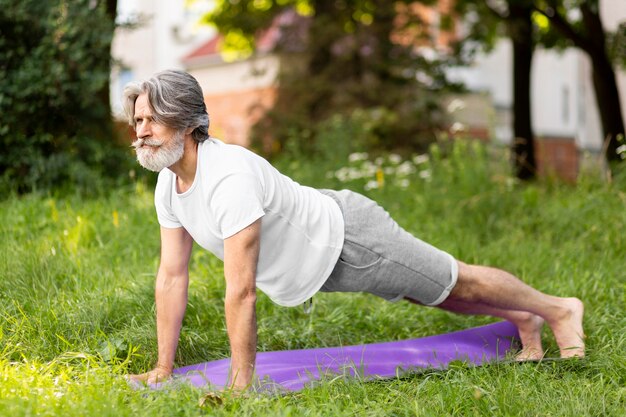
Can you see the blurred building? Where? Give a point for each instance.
(565, 116)
(564, 113)
(153, 35)
(237, 92)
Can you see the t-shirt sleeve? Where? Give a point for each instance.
(237, 202)
(162, 199)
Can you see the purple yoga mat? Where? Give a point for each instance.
(292, 370)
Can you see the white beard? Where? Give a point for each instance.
(156, 154)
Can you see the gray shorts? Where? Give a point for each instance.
(381, 258)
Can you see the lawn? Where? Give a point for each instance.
(77, 308)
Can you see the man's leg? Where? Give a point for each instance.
(481, 289)
(529, 325)
(382, 258)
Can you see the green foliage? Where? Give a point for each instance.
(344, 58)
(54, 72)
(77, 297)
(579, 24)
(484, 27)
(240, 21)
(551, 16)
(616, 45)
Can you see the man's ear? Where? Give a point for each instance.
(189, 130)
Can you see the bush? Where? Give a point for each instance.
(54, 72)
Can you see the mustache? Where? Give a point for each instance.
(150, 142)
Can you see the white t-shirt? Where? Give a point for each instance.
(302, 230)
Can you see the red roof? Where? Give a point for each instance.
(265, 42)
(210, 47)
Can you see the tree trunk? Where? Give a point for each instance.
(604, 83)
(521, 34)
(592, 39)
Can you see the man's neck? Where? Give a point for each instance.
(185, 168)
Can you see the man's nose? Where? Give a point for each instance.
(143, 130)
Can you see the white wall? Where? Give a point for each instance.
(168, 32)
(221, 77)
(554, 93)
(554, 89)
(490, 72)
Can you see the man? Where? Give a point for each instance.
(291, 241)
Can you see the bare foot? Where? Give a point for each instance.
(568, 329)
(529, 327)
(158, 374)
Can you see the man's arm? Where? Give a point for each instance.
(241, 254)
(171, 299)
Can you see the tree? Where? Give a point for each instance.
(54, 76)
(514, 18)
(110, 12)
(347, 57)
(578, 22)
(520, 31)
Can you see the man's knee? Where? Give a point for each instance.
(467, 284)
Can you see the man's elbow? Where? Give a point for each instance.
(241, 296)
(167, 282)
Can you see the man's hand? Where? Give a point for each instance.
(241, 254)
(171, 295)
(158, 374)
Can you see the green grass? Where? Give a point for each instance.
(77, 312)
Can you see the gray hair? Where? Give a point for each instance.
(176, 101)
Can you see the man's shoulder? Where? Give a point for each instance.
(215, 146)
(165, 176)
(228, 158)
(164, 182)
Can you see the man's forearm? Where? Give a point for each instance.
(171, 302)
(241, 325)
(241, 255)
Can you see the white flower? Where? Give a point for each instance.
(354, 174)
(371, 185)
(405, 168)
(621, 151)
(425, 174)
(358, 156)
(342, 174)
(348, 174)
(368, 168)
(420, 159)
(395, 158)
(379, 161)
